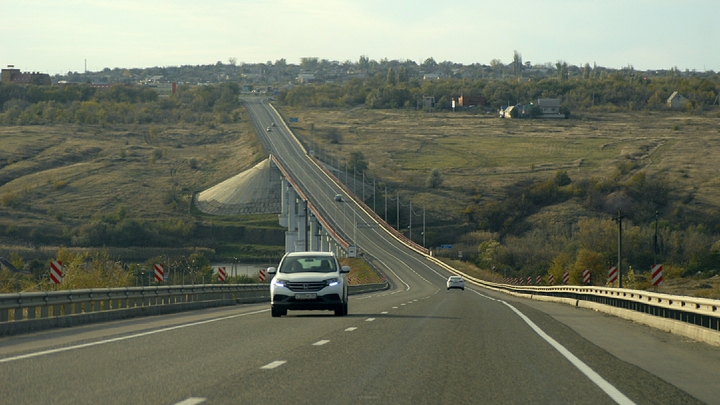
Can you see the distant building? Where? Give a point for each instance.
(11, 75)
(431, 76)
(676, 100)
(306, 78)
(468, 101)
(544, 108)
(550, 107)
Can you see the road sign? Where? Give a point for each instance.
(445, 246)
(566, 277)
(656, 271)
(352, 251)
(293, 119)
(586, 276)
(159, 272)
(262, 274)
(612, 275)
(460, 254)
(222, 275)
(56, 272)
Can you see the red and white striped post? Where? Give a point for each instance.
(538, 280)
(566, 277)
(551, 280)
(586, 276)
(612, 275)
(656, 271)
(159, 272)
(529, 280)
(56, 272)
(262, 274)
(222, 275)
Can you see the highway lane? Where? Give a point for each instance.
(402, 346)
(414, 344)
(398, 258)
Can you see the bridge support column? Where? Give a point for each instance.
(324, 241)
(315, 237)
(301, 243)
(283, 202)
(291, 234)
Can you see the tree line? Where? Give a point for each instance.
(120, 104)
(617, 90)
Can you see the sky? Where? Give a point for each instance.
(57, 36)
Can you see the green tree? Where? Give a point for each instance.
(391, 77)
(358, 162)
(435, 179)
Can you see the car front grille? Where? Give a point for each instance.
(307, 286)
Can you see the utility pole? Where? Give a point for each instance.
(410, 215)
(398, 211)
(386, 203)
(618, 219)
(423, 227)
(655, 241)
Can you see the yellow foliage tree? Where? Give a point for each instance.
(593, 261)
(83, 270)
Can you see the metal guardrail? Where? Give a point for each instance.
(40, 310)
(23, 312)
(696, 311)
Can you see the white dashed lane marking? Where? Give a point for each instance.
(384, 312)
(369, 319)
(320, 342)
(274, 364)
(350, 329)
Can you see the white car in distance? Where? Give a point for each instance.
(309, 281)
(456, 282)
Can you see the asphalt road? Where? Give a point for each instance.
(416, 343)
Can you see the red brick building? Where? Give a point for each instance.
(11, 75)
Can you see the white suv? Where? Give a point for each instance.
(309, 281)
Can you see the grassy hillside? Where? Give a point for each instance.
(638, 161)
(126, 185)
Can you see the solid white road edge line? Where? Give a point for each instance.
(608, 388)
(273, 365)
(192, 401)
(118, 339)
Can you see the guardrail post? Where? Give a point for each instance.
(4, 315)
(18, 314)
(44, 309)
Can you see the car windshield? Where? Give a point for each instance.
(322, 264)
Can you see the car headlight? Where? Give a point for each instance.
(278, 283)
(332, 282)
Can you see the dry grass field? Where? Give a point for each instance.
(481, 154)
(55, 178)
